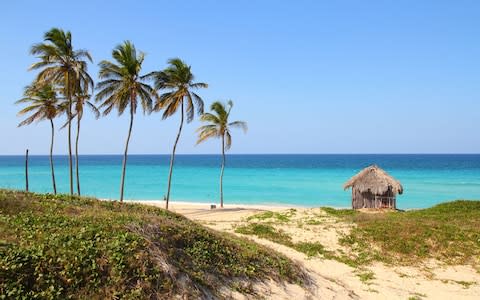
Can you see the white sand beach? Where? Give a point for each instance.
(333, 279)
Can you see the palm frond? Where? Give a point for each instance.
(219, 109)
(198, 85)
(239, 124)
(228, 140)
(206, 132)
(208, 117)
(41, 100)
(122, 81)
(171, 108)
(218, 123)
(35, 117)
(83, 54)
(94, 109)
(198, 103)
(190, 108)
(60, 64)
(177, 81)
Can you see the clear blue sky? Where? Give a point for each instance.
(308, 76)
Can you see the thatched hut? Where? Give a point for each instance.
(374, 188)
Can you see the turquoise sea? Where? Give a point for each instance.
(303, 180)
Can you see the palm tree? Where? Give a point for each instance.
(61, 65)
(81, 100)
(178, 81)
(123, 87)
(219, 127)
(42, 104)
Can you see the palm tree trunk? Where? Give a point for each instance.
(76, 153)
(51, 159)
(69, 116)
(70, 164)
(172, 158)
(221, 172)
(122, 184)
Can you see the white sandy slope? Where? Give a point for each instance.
(332, 279)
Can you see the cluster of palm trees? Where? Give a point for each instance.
(63, 86)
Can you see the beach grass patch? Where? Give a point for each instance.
(266, 231)
(312, 249)
(261, 216)
(61, 247)
(314, 222)
(449, 232)
(465, 284)
(282, 217)
(366, 276)
(339, 212)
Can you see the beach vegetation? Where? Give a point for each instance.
(268, 232)
(62, 247)
(41, 103)
(465, 284)
(81, 101)
(265, 231)
(312, 249)
(449, 232)
(62, 66)
(339, 212)
(262, 216)
(313, 221)
(282, 217)
(124, 88)
(177, 83)
(366, 276)
(219, 127)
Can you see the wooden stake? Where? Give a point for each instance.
(26, 170)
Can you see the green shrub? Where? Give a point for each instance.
(59, 247)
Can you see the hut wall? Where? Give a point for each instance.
(362, 199)
(367, 200)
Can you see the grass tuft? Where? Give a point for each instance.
(284, 217)
(366, 276)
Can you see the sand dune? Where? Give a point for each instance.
(333, 279)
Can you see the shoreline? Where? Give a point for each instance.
(260, 205)
(184, 207)
(203, 211)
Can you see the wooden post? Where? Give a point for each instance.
(26, 170)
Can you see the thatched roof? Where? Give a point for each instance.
(374, 179)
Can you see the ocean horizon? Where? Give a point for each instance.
(308, 180)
